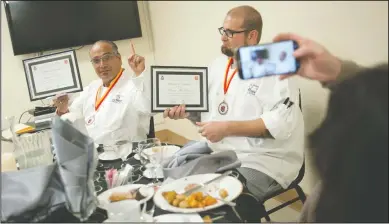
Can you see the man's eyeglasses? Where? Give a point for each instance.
(229, 33)
(104, 58)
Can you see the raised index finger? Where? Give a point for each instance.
(132, 48)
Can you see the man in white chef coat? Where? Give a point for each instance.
(261, 66)
(258, 118)
(116, 106)
(286, 63)
(255, 67)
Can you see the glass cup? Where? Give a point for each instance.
(155, 153)
(145, 145)
(156, 160)
(147, 149)
(135, 143)
(111, 152)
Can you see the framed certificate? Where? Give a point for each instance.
(172, 86)
(50, 74)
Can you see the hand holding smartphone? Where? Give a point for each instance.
(267, 59)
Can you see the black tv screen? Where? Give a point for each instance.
(37, 26)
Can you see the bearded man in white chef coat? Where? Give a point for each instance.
(258, 118)
(116, 106)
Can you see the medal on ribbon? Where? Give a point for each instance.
(223, 106)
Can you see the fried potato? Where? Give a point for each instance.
(199, 196)
(183, 204)
(176, 202)
(223, 193)
(209, 201)
(190, 198)
(201, 205)
(193, 204)
(181, 197)
(169, 196)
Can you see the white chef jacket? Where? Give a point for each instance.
(280, 158)
(259, 70)
(123, 115)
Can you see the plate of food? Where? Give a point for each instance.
(138, 192)
(170, 196)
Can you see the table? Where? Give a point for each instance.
(245, 208)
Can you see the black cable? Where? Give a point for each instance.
(20, 118)
(29, 119)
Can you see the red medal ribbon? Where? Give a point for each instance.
(110, 87)
(228, 82)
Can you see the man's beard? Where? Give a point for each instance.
(228, 51)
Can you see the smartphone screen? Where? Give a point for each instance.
(267, 59)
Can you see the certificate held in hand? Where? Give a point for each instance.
(173, 85)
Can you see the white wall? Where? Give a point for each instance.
(185, 33)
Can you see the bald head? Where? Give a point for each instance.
(252, 19)
(108, 43)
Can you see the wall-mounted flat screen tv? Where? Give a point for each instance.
(37, 26)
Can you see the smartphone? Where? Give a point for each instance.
(267, 59)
